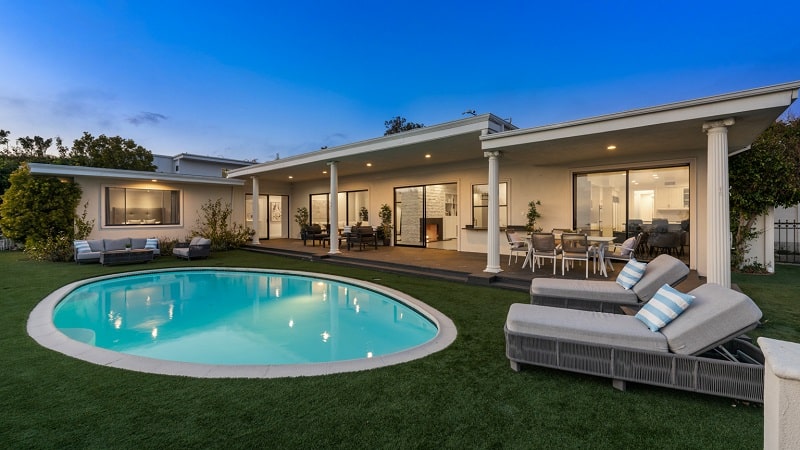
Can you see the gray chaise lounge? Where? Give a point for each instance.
(595, 295)
(700, 351)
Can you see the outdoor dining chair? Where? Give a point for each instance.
(543, 246)
(516, 245)
(575, 247)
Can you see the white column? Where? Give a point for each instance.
(255, 210)
(781, 393)
(334, 205)
(493, 230)
(718, 234)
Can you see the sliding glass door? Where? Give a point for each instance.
(427, 216)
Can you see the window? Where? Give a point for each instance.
(349, 202)
(127, 206)
(480, 205)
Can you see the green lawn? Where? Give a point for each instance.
(463, 397)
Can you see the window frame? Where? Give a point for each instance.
(106, 212)
(502, 204)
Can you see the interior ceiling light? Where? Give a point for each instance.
(611, 147)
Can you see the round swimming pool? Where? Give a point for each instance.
(237, 322)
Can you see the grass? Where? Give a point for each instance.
(463, 397)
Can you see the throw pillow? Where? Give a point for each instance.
(664, 307)
(631, 274)
(151, 244)
(82, 247)
(627, 246)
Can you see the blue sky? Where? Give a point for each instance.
(251, 79)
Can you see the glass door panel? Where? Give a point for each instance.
(599, 209)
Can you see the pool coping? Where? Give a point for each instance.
(41, 328)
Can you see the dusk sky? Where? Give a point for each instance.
(248, 80)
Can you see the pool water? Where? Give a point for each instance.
(239, 317)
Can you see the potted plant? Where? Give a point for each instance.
(533, 214)
(385, 228)
(302, 220)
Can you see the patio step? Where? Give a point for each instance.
(404, 269)
(285, 252)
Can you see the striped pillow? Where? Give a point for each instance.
(151, 244)
(664, 307)
(631, 274)
(82, 247)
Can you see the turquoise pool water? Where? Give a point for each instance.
(239, 318)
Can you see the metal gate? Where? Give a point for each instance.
(787, 241)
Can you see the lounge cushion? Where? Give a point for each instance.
(631, 274)
(195, 240)
(204, 241)
(583, 326)
(138, 242)
(716, 315)
(602, 291)
(82, 247)
(664, 307)
(662, 270)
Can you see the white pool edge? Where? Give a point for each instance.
(42, 329)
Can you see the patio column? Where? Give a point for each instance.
(254, 209)
(493, 230)
(333, 230)
(718, 235)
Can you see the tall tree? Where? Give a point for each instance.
(766, 176)
(110, 152)
(399, 124)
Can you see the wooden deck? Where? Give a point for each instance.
(436, 263)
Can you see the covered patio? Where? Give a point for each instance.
(466, 267)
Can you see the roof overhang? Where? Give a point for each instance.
(446, 143)
(128, 175)
(657, 130)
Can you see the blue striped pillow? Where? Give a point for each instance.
(151, 244)
(82, 247)
(664, 307)
(631, 274)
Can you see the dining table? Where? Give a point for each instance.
(602, 244)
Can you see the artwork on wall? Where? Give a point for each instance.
(275, 211)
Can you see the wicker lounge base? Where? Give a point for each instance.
(690, 373)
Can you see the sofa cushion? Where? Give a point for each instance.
(663, 270)
(138, 242)
(82, 247)
(631, 274)
(96, 245)
(195, 240)
(151, 244)
(716, 315)
(617, 330)
(115, 244)
(603, 291)
(204, 241)
(664, 307)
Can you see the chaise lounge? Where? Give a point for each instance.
(596, 295)
(701, 350)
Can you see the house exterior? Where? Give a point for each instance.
(457, 185)
(162, 204)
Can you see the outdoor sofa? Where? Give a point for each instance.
(198, 247)
(701, 350)
(91, 250)
(597, 295)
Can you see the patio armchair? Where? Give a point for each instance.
(362, 236)
(516, 245)
(314, 233)
(701, 350)
(198, 247)
(624, 251)
(596, 295)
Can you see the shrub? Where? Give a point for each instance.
(214, 223)
(56, 248)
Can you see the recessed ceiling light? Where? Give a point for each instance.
(290, 177)
(428, 155)
(154, 181)
(369, 164)
(324, 171)
(611, 147)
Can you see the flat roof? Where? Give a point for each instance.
(98, 172)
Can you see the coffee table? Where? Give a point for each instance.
(131, 256)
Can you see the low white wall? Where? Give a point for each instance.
(781, 393)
